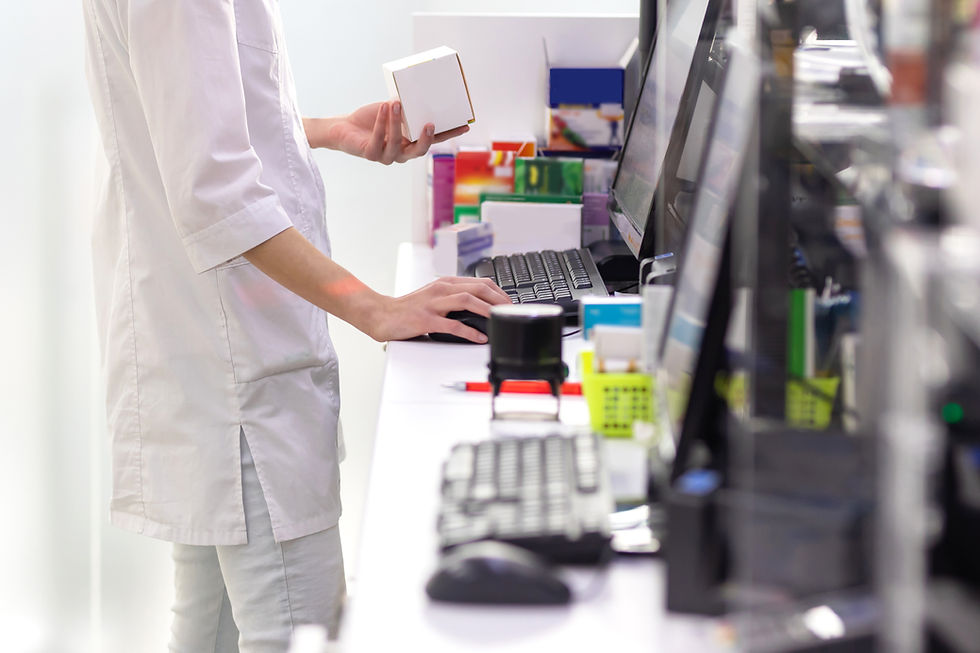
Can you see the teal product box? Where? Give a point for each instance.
(615, 311)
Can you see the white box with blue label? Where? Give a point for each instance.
(614, 311)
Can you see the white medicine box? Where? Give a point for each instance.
(460, 245)
(432, 88)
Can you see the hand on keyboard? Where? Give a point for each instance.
(424, 311)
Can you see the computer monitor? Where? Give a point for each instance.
(697, 319)
(669, 99)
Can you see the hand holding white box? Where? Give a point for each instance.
(431, 88)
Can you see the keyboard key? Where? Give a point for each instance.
(570, 275)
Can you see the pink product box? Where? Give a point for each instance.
(595, 218)
(442, 180)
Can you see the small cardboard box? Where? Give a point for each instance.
(586, 106)
(613, 311)
(432, 88)
(482, 171)
(460, 245)
(549, 176)
(525, 226)
(441, 180)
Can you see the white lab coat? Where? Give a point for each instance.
(207, 157)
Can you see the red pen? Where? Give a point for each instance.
(520, 387)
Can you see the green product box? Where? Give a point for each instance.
(466, 213)
(549, 176)
(525, 197)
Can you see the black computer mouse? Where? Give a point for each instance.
(498, 573)
(468, 318)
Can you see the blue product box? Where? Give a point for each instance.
(584, 86)
(585, 108)
(617, 311)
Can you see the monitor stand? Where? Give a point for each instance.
(615, 261)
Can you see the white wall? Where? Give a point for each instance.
(69, 582)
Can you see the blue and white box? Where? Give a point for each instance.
(457, 246)
(614, 311)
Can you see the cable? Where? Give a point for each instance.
(799, 272)
(592, 588)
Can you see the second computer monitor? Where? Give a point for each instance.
(668, 103)
(701, 269)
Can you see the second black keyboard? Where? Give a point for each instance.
(549, 494)
(545, 277)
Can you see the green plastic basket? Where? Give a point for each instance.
(616, 400)
(810, 402)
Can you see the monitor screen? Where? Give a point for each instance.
(662, 97)
(700, 263)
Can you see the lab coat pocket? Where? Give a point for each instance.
(255, 23)
(270, 329)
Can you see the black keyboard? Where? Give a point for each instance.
(545, 277)
(547, 494)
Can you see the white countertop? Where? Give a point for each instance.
(419, 421)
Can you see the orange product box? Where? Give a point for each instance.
(482, 171)
(524, 148)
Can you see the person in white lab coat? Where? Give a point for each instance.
(213, 278)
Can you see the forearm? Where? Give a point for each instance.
(291, 260)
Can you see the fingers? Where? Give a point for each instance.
(419, 147)
(452, 133)
(484, 289)
(462, 301)
(457, 328)
(375, 147)
(428, 139)
(393, 142)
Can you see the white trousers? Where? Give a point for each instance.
(248, 598)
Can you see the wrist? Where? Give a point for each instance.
(369, 312)
(318, 132)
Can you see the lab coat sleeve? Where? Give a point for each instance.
(185, 62)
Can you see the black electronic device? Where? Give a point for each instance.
(692, 353)
(525, 344)
(496, 573)
(614, 261)
(548, 494)
(470, 319)
(664, 141)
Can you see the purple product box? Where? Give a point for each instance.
(442, 180)
(595, 218)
